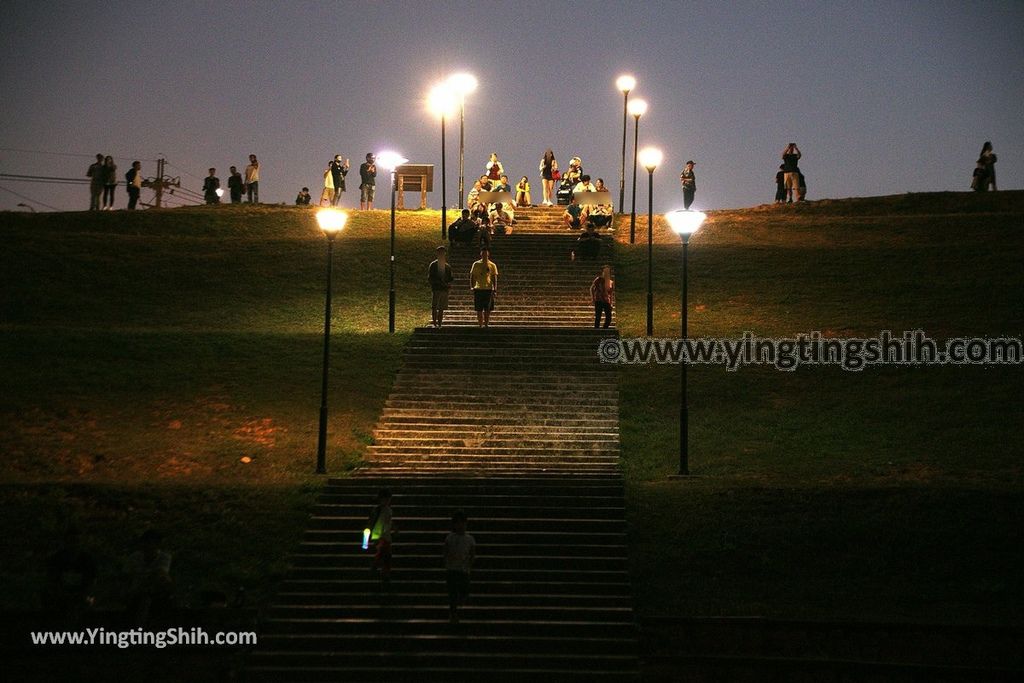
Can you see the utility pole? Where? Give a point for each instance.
(161, 182)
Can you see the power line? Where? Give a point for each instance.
(29, 199)
(43, 179)
(66, 154)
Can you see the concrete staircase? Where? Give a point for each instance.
(518, 426)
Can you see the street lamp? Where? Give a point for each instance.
(442, 104)
(650, 157)
(331, 221)
(390, 161)
(637, 108)
(684, 224)
(462, 84)
(624, 84)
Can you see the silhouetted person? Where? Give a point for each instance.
(790, 159)
(381, 526)
(70, 576)
(236, 186)
(459, 555)
(689, 182)
(602, 293)
(133, 183)
(109, 183)
(439, 273)
(988, 160)
(210, 186)
(588, 244)
(150, 589)
(367, 182)
(463, 230)
(95, 176)
(780, 185)
(252, 179)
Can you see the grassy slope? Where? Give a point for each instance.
(144, 355)
(887, 493)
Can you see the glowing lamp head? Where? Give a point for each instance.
(462, 83)
(331, 221)
(389, 161)
(649, 158)
(220, 192)
(442, 100)
(625, 83)
(637, 108)
(685, 223)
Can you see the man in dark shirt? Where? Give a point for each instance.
(210, 187)
(133, 183)
(790, 157)
(463, 230)
(689, 183)
(235, 186)
(95, 175)
(367, 182)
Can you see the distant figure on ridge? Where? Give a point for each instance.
(483, 280)
(252, 179)
(367, 182)
(95, 176)
(987, 159)
(689, 182)
(303, 198)
(109, 182)
(790, 158)
(327, 194)
(339, 169)
(459, 555)
(210, 186)
(440, 276)
(133, 183)
(780, 184)
(602, 293)
(236, 186)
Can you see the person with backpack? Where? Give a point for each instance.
(440, 276)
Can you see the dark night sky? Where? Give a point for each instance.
(882, 97)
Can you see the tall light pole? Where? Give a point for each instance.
(637, 108)
(390, 161)
(624, 84)
(684, 224)
(462, 84)
(442, 103)
(650, 157)
(331, 221)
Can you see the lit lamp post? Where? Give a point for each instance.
(684, 224)
(637, 108)
(462, 84)
(650, 157)
(331, 221)
(442, 103)
(624, 84)
(390, 161)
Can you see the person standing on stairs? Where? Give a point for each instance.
(459, 554)
(547, 168)
(602, 293)
(440, 276)
(483, 280)
(381, 527)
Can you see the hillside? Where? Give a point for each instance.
(146, 355)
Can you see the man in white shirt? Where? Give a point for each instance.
(584, 185)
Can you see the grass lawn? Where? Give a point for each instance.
(889, 493)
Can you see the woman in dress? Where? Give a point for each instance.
(547, 166)
(988, 159)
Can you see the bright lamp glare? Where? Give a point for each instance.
(441, 100)
(685, 222)
(331, 220)
(219, 192)
(462, 83)
(625, 83)
(389, 161)
(650, 157)
(638, 107)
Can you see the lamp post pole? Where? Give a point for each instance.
(622, 172)
(391, 291)
(321, 448)
(650, 251)
(462, 149)
(632, 212)
(684, 411)
(444, 194)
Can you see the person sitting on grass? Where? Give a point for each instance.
(574, 215)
